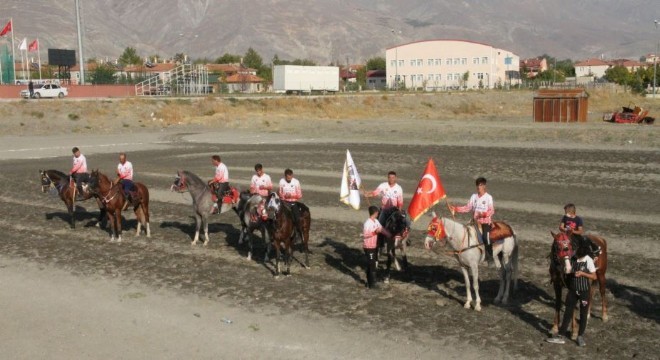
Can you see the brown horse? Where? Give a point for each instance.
(562, 250)
(57, 181)
(112, 196)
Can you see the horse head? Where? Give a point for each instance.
(93, 186)
(562, 249)
(46, 181)
(179, 184)
(435, 232)
(273, 205)
(396, 223)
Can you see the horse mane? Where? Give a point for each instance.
(192, 178)
(56, 176)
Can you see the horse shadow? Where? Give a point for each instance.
(81, 215)
(188, 228)
(347, 259)
(641, 302)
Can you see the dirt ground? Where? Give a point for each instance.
(611, 172)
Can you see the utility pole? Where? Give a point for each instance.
(396, 60)
(80, 44)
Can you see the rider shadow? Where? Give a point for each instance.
(642, 302)
(347, 260)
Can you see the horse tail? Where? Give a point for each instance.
(514, 263)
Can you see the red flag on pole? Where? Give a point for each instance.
(34, 46)
(6, 29)
(429, 192)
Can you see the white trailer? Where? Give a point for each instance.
(305, 79)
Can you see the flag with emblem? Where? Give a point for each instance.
(429, 192)
(349, 192)
(7, 29)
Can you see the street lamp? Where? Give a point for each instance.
(396, 60)
(655, 58)
(80, 43)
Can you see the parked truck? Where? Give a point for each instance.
(292, 79)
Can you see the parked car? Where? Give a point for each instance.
(48, 90)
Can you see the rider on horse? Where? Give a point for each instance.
(125, 177)
(391, 195)
(290, 192)
(261, 185)
(572, 224)
(79, 169)
(481, 203)
(220, 182)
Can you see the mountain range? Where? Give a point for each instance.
(338, 31)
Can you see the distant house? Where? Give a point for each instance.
(651, 58)
(376, 79)
(349, 74)
(143, 71)
(533, 67)
(244, 82)
(631, 65)
(594, 68)
(229, 69)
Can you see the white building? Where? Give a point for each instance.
(445, 64)
(593, 68)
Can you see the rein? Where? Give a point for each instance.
(463, 246)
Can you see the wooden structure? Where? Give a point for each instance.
(553, 105)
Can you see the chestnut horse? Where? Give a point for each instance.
(112, 196)
(283, 230)
(561, 253)
(61, 183)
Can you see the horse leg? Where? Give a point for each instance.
(603, 295)
(267, 243)
(140, 219)
(145, 211)
(198, 225)
(277, 259)
(289, 256)
(306, 244)
(102, 212)
(404, 256)
(556, 283)
(468, 291)
(111, 220)
(205, 220)
(475, 284)
(390, 257)
(249, 238)
(118, 223)
(71, 208)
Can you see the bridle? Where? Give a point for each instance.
(180, 183)
(105, 199)
(436, 229)
(46, 182)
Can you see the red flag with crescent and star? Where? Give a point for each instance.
(6, 29)
(429, 192)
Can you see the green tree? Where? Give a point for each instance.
(179, 57)
(618, 74)
(361, 77)
(566, 67)
(465, 78)
(252, 59)
(130, 57)
(377, 63)
(103, 74)
(228, 59)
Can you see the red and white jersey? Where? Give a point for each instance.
(79, 165)
(125, 170)
(482, 206)
(261, 185)
(290, 191)
(370, 232)
(221, 174)
(391, 196)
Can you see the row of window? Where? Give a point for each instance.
(439, 62)
(438, 77)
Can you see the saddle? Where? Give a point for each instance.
(499, 230)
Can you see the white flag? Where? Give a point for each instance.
(23, 45)
(349, 193)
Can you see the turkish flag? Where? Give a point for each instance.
(6, 29)
(34, 46)
(429, 192)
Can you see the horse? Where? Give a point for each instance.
(63, 184)
(113, 198)
(283, 231)
(462, 239)
(560, 265)
(202, 200)
(251, 220)
(396, 238)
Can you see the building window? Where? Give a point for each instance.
(393, 62)
(480, 76)
(464, 61)
(401, 63)
(412, 62)
(484, 60)
(457, 61)
(475, 61)
(420, 77)
(438, 77)
(438, 62)
(450, 77)
(448, 62)
(430, 77)
(457, 76)
(430, 62)
(420, 62)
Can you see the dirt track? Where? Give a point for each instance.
(616, 192)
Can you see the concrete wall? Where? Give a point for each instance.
(76, 91)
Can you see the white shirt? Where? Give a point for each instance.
(259, 181)
(125, 170)
(290, 191)
(590, 263)
(221, 173)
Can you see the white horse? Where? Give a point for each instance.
(465, 246)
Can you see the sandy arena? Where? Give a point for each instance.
(73, 294)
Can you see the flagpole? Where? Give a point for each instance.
(39, 56)
(13, 53)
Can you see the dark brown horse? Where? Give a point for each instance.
(562, 250)
(112, 196)
(283, 231)
(57, 181)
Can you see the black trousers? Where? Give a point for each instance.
(80, 178)
(572, 298)
(220, 189)
(371, 257)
